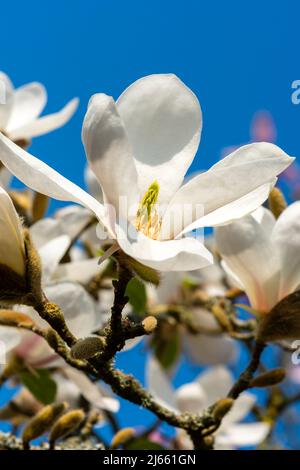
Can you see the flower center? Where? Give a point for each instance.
(147, 218)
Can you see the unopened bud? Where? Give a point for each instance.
(221, 317)
(149, 324)
(233, 293)
(65, 425)
(88, 347)
(277, 202)
(42, 421)
(222, 407)
(122, 437)
(272, 377)
(39, 206)
(12, 318)
(33, 267)
(282, 322)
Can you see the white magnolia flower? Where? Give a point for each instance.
(20, 113)
(140, 149)
(12, 249)
(262, 255)
(196, 396)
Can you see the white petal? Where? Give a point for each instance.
(173, 255)
(232, 279)
(9, 339)
(241, 435)
(28, 103)
(250, 255)
(265, 218)
(43, 179)
(46, 124)
(93, 184)
(73, 219)
(159, 385)
(216, 382)
(232, 188)
(191, 398)
(51, 254)
(77, 271)
(131, 343)
(241, 408)
(77, 306)
(109, 152)
(45, 230)
(163, 121)
(5, 177)
(92, 391)
(6, 102)
(286, 236)
(207, 349)
(12, 252)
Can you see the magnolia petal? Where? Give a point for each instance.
(6, 102)
(163, 121)
(43, 179)
(77, 306)
(244, 435)
(159, 385)
(109, 152)
(216, 383)
(232, 188)
(51, 254)
(93, 184)
(9, 339)
(46, 124)
(265, 218)
(12, 253)
(5, 177)
(232, 279)
(286, 236)
(191, 398)
(92, 391)
(28, 103)
(73, 219)
(185, 254)
(77, 271)
(250, 255)
(210, 350)
(45, 230)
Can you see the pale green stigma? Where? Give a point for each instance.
(147, 219)
(150, 197)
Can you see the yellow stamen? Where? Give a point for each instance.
(147, 217)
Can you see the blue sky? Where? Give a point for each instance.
(238, 57)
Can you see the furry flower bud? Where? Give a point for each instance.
(42, 421)
(66, 424)
(122, 437)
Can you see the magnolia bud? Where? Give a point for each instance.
(222, 407)
(13, 318)
(277, 202)
(272, 377)
(20, 270)
(42, 421)
(65, 425)
(39, 206)
(282, 322)
(122, 437)
(221, 317)
(149, 324)
(88, 347)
